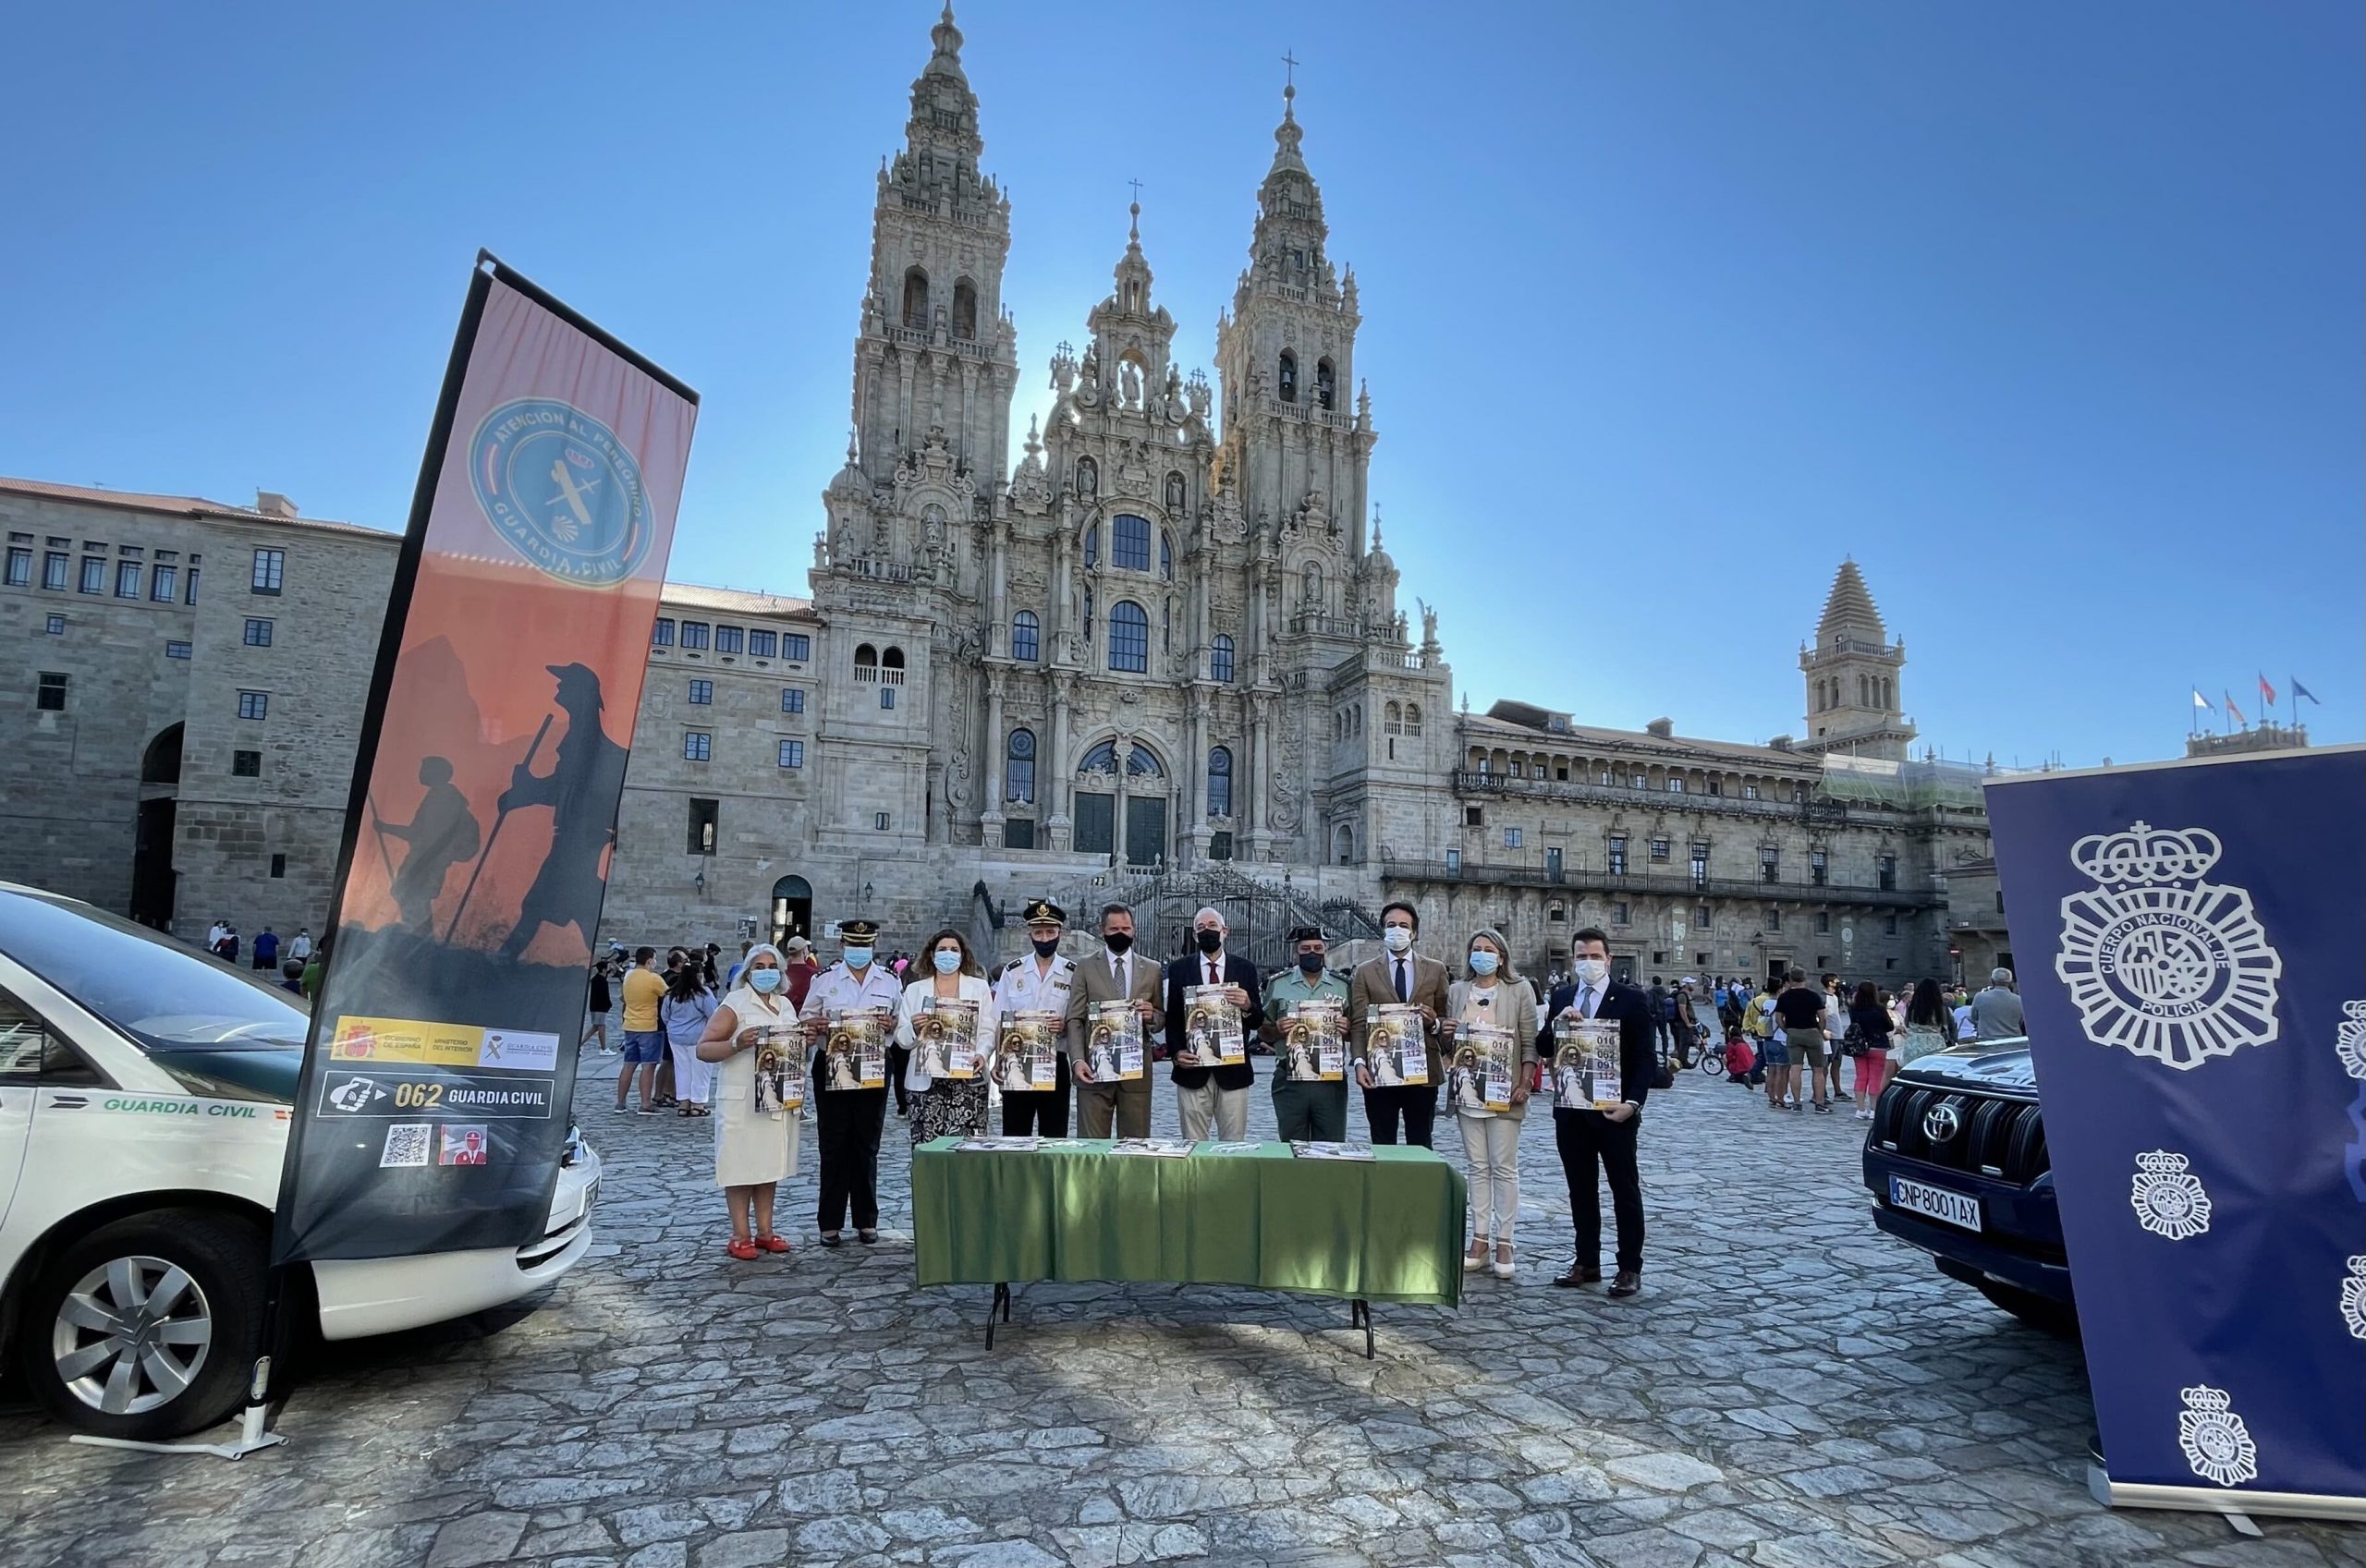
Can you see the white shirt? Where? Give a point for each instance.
(974, 988)
(1031, 986)
(300, 948)
(835, 987)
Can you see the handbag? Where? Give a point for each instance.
(1852, 1043)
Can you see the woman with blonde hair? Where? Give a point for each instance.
(1491, 991)
(945, 1107)
(754, 1037)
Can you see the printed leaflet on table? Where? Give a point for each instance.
(1211, 1027)
(1585, 1063)
(1358, 1151)
(1114, 1043)
(856, 1052)
(1028, 1055)
(1157, 1149)
(946, 1031)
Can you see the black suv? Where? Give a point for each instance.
(1958, 1166)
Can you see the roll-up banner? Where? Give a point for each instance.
(2191, 946)
(432, 1115)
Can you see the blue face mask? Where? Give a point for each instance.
(765, 979)
(947, 963)
(1484, 962)
(857, 957)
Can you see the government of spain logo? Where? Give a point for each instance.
(2158, 961)
(562, 490)
(2216, 1442)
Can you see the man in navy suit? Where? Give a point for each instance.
(1605, 1138)
(1211, 1097)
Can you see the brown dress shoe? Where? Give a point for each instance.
(1628, 1282)
(1579, 1274)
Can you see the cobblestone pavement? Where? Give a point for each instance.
(1791, 1389)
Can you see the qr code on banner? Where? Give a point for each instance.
(407, 1143)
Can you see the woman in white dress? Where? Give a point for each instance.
(755, 1134)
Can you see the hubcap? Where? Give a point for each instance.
(131, 1335)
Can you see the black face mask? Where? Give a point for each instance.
(1310, 962)
(1118, 942)
(1045, 947)
(1209, 941)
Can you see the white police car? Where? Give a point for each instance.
(145, 1095)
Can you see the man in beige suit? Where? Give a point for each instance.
(1398, 974)
(1117, 972)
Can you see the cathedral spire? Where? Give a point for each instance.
(1849, 607)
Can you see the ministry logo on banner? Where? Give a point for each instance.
(2159, 961)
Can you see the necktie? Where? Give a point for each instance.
(1118, 975)
(1404, 986)
(1215, 977)
(1585, 1003)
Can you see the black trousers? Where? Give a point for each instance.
(1042, 1111)
(848, 1121)
(898, 1058)
(1588, 1138)
(1416, 1103)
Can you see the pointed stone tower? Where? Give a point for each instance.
(1852, 676)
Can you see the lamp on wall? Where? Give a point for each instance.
(698, 882)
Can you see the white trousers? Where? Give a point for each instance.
(693, 1079)
(1227, 1108)
(1491, 1143)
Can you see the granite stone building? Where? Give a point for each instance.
(1159, 656)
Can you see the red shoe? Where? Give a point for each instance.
(773, 1242)
(743, 1250)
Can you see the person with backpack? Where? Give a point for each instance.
(683, 1015)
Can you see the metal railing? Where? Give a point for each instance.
(1679, 884)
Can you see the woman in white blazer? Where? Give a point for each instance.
(945, 1107)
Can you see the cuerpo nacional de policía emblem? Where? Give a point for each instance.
(562, 490)
(2349, 1038)
(2168, 1198)
(2159, 961)
(2353, 1298)
(2216, 1442)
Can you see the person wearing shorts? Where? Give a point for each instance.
(1775, 1057)
(644, 1040)
(1799, 1012)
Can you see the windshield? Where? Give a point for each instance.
(153, 988)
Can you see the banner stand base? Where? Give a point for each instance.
(253, 1424)
(2234, 1507)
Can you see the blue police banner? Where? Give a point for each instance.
(2192, 940)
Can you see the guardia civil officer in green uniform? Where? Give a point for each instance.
(1304, 1107)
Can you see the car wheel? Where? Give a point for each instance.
(147, 1328)
(2057, 1318)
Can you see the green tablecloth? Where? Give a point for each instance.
(1389, 1230)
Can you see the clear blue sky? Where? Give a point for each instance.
(2051, 315)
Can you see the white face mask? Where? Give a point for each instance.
(1398, 938)
(1592, 972)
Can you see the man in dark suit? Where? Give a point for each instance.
(1398, 974)
(1605, 1137)
(1215, 1092)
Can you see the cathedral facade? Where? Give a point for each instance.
(1160, 655)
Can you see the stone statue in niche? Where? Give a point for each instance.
(1130, 384)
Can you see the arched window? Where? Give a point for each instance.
(1165, 556)
(1129, 636)
(1101, 759)
(1026, 636)
(1289, 376)
(1130, 543)
(1220, 782)
(964, 309)
(1220, 660)
(892, 660)
(1087, 477)
(1343, 845)
(866, 663)
(1394, 716)
(1326, 383)
(1019, 770)
(1412, 718)
(1176, 496)
(1143, 764)
(1093, 543)
(916, 299)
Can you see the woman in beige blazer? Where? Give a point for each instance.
(1491, 991)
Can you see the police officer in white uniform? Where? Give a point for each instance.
(1038, 982)
(850, 1119)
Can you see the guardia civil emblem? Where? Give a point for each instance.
(2216, 1442)
(2168, 1198)
(563, 491)
(2158, 961)
(2349, 1038)
(2353, 1298)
